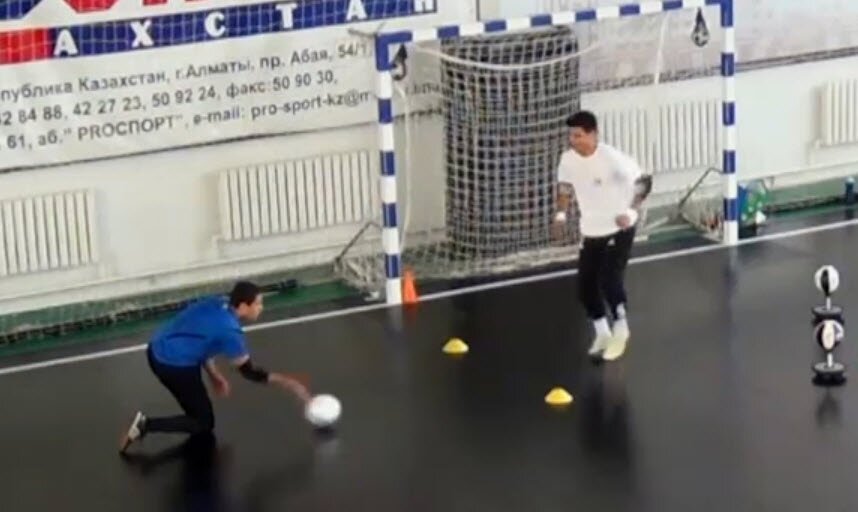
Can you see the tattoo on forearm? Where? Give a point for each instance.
(643, 186)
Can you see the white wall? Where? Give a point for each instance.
(778, 115)
(158, 217)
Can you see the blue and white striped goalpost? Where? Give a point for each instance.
(728, 115)
(385, 41)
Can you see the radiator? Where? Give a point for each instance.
(296, 196)
(672, 137)
(838, 111)
(47, 232)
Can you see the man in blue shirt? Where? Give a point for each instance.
(189, 342)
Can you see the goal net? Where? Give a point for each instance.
(480, 124)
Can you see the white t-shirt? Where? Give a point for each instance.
(604, 185)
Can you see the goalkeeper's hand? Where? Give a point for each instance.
(627, 219)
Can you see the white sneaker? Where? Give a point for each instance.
(617, 344)
(599, 345)
(135, 431)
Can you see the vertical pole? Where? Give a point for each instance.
(728, 72)
(390, 229)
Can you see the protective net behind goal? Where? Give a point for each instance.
(481, 125)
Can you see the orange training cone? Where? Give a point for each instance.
(409, 288)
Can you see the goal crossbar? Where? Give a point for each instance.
(387, 44)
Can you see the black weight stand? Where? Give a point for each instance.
(828, 332)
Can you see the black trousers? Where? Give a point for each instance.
(601, 272)
(187, 387)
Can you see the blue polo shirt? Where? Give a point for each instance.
(204, 329)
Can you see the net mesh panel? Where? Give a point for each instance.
(503, 132)
(501, 103)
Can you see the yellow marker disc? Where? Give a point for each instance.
(455, 346)
(558, 396)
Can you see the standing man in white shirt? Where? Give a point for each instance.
(609, 187)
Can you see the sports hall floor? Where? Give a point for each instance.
(712, 407)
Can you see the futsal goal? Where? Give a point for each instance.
(471, 125)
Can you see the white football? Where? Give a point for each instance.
(323, 410)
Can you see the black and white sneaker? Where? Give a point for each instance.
(136, 431)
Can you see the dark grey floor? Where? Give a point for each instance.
(711, 409)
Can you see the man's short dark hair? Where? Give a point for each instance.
(584, 119)
(244, 292)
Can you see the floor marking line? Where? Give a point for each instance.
(441, 295)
